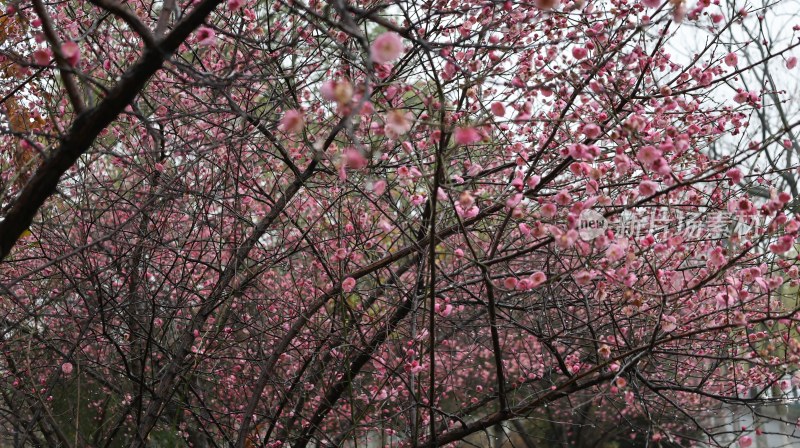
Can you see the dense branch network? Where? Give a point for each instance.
(394, 223)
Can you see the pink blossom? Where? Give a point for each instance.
(669, 324)
(548, 210)
(386, 48)
(735, 175)
(66, 368)
(579, 52)
(466, 136)
(563, 197)
(745, 441)
(661, 166)
(465, 200)
(514, 200)
(615, 252)
(784, 244)
(340, 91)
(445, 310)
(648, 188)
(716, 259)
(592, 131)
(378, 187)
(474, 170)
(651, 3)
(791, 62)
(546, 4)
(348, 284)
(206, 36)
(623, 163)
(498, 109)
(71, 52)
(397, 123)
(731, 59)
(467, 213)
(42, 56)
(583, 277)
(566, 240)
(292, 122)
(341, 254)
(537, 278)
(648, 154)
(234, 5)
(354, 159)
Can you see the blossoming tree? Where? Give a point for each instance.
(399, 223)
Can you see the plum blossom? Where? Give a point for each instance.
(731, 59)
(735, 175)
(648, 154)
(783, 245)
(66, 368)
(498, 109)
(565, 240)
(340, 91)
(563, 197)
(537, 278)
(669, 323)
(546, 4)
(510, 282)
(592, 131)
(443, 310)
(292, 122)
(42, 56)
(467, 213)
(386, 48)
(71, 52)
(514, 200)
(548, 210)
(206, 36)
(583, 277)
(379, 187)
(716, 258)
(648, 188)
(466, 200)
(579, 52)
(397, 123)
(466, 136)
(791, 62)
(615, 252)
(348, 284)
(353, 158)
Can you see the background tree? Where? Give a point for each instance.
(331, 223)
